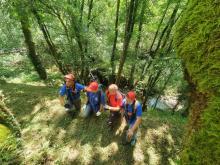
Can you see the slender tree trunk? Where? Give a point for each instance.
(131, 78)
(35, 59)
(81, 10)
(85, 68)
(150, 85)
(167, 31)
(164, 87)
(115, 39)
(49, 41)
(128, 33)
(145, 66)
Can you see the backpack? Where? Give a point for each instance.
(100, 91)
(99, 97)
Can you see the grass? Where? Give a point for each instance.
(4, 133)
(51, 136)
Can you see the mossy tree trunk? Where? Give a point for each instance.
(197, 43)
(31, 48)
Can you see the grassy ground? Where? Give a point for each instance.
(50, 136)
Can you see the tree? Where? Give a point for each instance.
(197, 43)
(47, 37)
(115, 38)
(140, 26)
(23, 15)
(130, 20)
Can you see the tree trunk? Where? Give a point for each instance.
(86, 68)
(115, 39)
(145, 66)
(197, 42)
(81, 10)
(128, 33)
(49, 41)
(35, 59)
(131, 78)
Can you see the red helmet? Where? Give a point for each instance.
(131, 95)
(93, 86)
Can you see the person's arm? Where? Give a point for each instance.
(112, 108)
(62, 100)
(101, 108)
(102, 102)
(81, 87)
(135, 126)
(62, 95)
(137, 122)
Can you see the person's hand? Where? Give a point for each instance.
(130, 134)
(98, 113)
(122, 111)
(106, 107)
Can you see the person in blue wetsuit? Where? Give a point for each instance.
(71, 90)
(95, 100)
(132, 112)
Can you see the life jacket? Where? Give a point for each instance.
(131, 115)
(116, 97)
(73, 92)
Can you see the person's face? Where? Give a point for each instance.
(95, 91)
(129, 101)
(69, 82)
(112, 91)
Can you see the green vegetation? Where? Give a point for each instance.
(166, 51)
(197, 42)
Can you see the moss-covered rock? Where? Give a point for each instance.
(197, 42)
(9, 133)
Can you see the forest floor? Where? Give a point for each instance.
(50, 136)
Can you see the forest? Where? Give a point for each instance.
(166, 52)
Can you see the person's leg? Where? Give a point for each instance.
(133, 139)
(77, 104)
(111, 119)
(68, 105)
(86, 111)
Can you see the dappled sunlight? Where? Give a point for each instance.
(22, 80)
(121, 128)
(86, 152)
(108, 151)
(159, 144)
(138, 154)
(51, 135)
(154, 157)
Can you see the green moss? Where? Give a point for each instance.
(4, 133)
(197, 43)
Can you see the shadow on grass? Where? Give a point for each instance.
(22, 98)
(88, 140)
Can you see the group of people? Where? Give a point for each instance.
(119, 105)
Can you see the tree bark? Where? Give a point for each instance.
(131, 78)
(128, 33)
(35, 59)
(49, 41)
(115, 39)
(145, 66)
